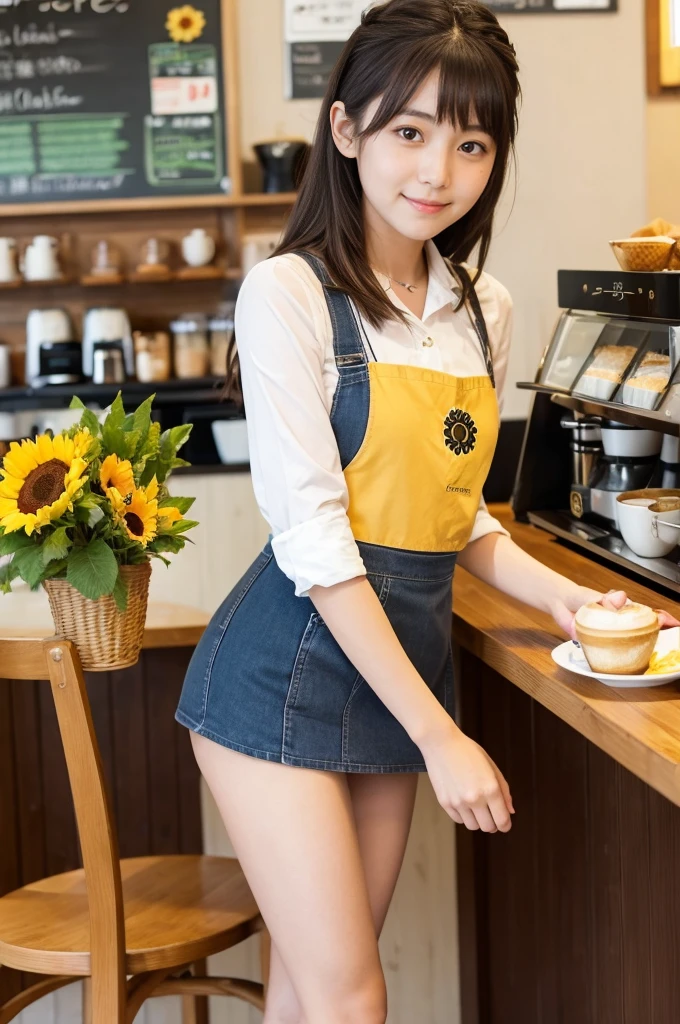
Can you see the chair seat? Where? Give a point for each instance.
(177, 910)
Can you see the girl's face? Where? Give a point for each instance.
(418, 177)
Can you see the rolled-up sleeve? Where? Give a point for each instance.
(496, 304)
(295, 464)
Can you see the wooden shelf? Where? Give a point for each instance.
(194, 391)
(149, 203)
(267, 199)
(129, 281)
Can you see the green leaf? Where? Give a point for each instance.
(89, 500)
(141, 423)
(130, 444)
(95, 516)
(89, 420)
(170, 443)
(181, 526)
(93, 570)
(166, 543)
(30, 565)
(8, 573)
(57, 568)
(121, 594)
(182, 504)
(178, 436)
(113, 434)
(56, 546)
(76, 403)
(151, 444)
(89, 513)
(11, 542)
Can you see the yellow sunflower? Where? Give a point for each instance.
(117, 473)
(137, 512)
(168, 512)
(41, 479)
(185, 24)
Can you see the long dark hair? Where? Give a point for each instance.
(396, 47)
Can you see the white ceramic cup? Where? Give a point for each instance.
(41, 262)
(198, 248)
(8, 260)
(639, 526)
(231, 440)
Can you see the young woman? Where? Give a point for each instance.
(372, 371)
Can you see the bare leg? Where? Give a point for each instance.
(294, 833)
(383, 809)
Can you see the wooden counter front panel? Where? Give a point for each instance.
(574, 916)
(148, 760)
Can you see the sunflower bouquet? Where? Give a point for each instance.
(85, 505)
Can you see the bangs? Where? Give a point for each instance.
(468, 93)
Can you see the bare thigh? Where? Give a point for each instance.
(295, 834)
(382, 806)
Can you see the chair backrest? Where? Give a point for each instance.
(57, 659)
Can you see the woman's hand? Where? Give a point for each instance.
(564, 609)
(467, 783)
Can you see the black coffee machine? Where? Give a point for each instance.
(605, 414)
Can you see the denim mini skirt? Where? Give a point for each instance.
(269, 680)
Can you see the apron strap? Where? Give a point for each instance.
(476, 316)
(348, 344)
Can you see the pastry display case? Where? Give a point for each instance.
(605, 418)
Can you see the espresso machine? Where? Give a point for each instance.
(605, 414)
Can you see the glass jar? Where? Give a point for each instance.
(106, 259)
(221, 332)
(190, 345)
(152, 355)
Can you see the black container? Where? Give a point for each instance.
(282, 164)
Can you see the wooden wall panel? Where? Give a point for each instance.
(577, 909)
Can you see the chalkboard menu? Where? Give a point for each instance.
(311, 67)
(111, 99)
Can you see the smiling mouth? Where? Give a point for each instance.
(426, 207)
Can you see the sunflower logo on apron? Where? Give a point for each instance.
(460, 432)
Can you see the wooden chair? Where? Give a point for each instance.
(150, 918)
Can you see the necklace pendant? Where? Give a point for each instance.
(410, 287)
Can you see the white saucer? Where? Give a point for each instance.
(571, 657)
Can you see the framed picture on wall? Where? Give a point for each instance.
(663, 46)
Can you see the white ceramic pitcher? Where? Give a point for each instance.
(41, 260)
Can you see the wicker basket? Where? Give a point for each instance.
(105, 638)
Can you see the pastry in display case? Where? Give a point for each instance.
(606, 368)
(603, 430)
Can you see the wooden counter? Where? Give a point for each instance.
(574, 916)
(639, 728)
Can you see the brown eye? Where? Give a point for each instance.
(409, 134)
(482, 148)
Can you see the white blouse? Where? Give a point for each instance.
(285, 345)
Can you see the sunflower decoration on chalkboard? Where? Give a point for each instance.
(460, 432)
(185, 24)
